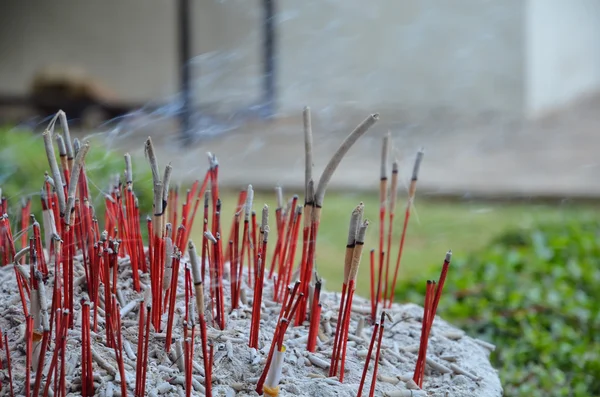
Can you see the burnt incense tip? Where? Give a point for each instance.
(385, 151)
(448, 256)
(206, 197)
(310, 192)
(210, 236)
(76, 146)
(128, 168)
(417, 166)
(279, 195)
(395, 167)
(265, 217)
(362, 231)
(62, 149)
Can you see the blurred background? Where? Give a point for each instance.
(503, 96)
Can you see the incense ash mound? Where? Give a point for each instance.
(237, 367)
(85, 312)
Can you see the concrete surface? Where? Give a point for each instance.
(555, 158)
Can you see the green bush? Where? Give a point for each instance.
(23, 163)
(535, 295)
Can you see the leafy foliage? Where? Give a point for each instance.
(23, 163)
(534, 293)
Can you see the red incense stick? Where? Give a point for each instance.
(9, 365)
(315, 318)
(376, 363)
(368, 360)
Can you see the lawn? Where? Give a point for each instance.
(434, 228)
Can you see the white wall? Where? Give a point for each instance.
(563, 52)
(401, 56)
(126, 44)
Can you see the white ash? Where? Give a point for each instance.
(458, 365)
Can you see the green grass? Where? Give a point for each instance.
(23, 163)
(434, 228)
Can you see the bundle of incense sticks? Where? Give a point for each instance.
(71, 227)
(432, 299)
(354, 248)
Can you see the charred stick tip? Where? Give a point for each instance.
(77, 167)
(62, 204)
(308, 145)
(151, 155)
(62, 117)
(62, 149)
(417, 166)
(128, 169)
(265, 217)
(166, 181)
(310, 193)
(210, 236)
(279, 195)
(385, 151)
(248, 206)
(362, 232)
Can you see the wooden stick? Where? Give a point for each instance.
(377, 355)
(391, 213)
